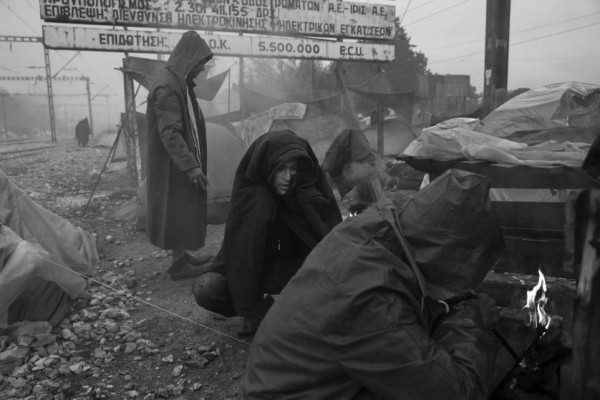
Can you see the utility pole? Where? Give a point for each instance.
(3, 94)
(89, 97)
(49, 78)
(497, 32)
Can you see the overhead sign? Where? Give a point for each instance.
(327, 18)
(139, 41)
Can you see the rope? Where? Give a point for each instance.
(151, 305)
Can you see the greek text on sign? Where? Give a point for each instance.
(328, 18)
(139, 41)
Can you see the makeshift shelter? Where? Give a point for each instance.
(379, 89)
(557, 105)
(397, 134)
(42, 258)
(144, 70)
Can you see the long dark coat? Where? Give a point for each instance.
(309, 211)
(176, 212)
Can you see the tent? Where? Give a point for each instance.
(41, 258)
(379, 89)
(397, 134)
(557, 105)
(225, 150)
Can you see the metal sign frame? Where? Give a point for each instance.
(321, 18)
(144, 41)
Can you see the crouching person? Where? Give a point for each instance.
(358, 322)
(281, 207)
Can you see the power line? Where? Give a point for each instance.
(557, 33)
(512, 33)
(436, 13)
(20, 19)
(555, 23)
(31, 6)
(26, 24)
(422, 5)
(518, 43)
(405, 10)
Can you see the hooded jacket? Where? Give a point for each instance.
(351, 319)
(307, 213)
(176, 212)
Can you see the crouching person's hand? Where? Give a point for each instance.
(484, 310)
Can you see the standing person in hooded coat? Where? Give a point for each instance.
(176, 153)
(281, 207)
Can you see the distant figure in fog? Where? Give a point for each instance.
(281, 207)
(82, 132)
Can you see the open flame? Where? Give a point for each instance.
(536, 302)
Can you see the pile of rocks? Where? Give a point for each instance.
(37, 360)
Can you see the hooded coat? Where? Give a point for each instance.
(176, 211)
(351, 321)
(267, 234)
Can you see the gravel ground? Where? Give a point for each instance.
(133, 333)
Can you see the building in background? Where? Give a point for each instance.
(443, 96)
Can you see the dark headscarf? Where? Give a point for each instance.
(309, 210)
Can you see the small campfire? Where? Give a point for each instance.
(537, 371)
(536, 305)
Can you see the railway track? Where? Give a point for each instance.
(21, 148)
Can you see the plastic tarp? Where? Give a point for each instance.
(38, 247)
(456, 143)
(397, 135)
(145, 70)
(552, 106)
(258, 124)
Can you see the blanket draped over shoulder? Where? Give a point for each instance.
(309, 211)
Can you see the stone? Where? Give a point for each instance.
(99, 353)
(130, 347)
(21, 371)
(4, 342)
(177, 370)
(9, 359)
(25, 340)
(131, 283)
(32, 328)
(67, 334)
(44, 339)
(116, 314)
(77, 368)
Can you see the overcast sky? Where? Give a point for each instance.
(551, 41)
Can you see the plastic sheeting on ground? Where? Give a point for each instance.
(41, 250)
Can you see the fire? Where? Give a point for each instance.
(536, 302)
